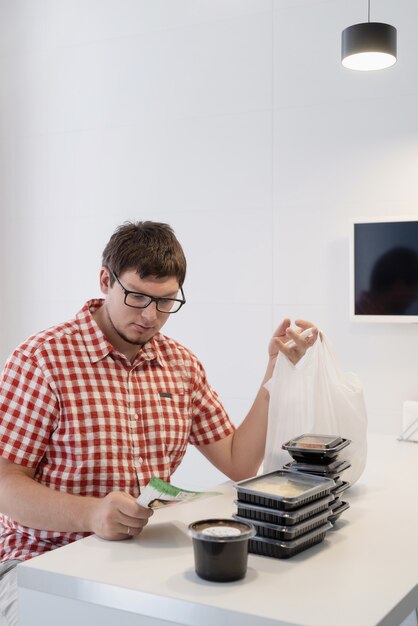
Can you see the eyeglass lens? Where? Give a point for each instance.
(164, 305)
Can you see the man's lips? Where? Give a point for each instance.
(141, 328)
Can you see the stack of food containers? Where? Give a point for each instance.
(319, 455)
(288, 509)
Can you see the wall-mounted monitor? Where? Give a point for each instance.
(384, 270)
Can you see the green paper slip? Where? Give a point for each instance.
(158, 494)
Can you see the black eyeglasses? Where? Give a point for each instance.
(141, 300)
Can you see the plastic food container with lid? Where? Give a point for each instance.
(283, 517)
(333, 470)
(220, 548)
(316, 447)
(283, 489)
(286, 549)
(340, 487)
(288, 533)
(336, 508)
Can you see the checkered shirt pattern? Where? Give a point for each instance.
(91, 422)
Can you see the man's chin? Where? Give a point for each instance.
(137, 339)
(134, 335)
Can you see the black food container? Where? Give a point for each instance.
(283, 490)
(326, 446)
(313, 448)
(340, 487)
(285, 549)
(254, 512)
(333, 470)
(336, 508)
(220, 548)
(289, 532)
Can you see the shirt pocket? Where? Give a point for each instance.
(166, 422)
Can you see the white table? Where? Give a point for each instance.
(365, 573)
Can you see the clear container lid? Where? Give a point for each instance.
(278, 516)
(332, 470)
(286, 486)
(295, 543)
(339, 505)
(316, 444)
(336, 508)
(318, 470)
(290, 531)
(221, 530)
(340, 486)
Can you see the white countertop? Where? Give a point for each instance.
(365, 573)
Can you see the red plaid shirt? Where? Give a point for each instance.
(91, 422)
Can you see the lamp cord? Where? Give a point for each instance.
(369, 10)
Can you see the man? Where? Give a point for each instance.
(91, 409)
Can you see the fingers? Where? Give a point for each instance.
(119, 516)
(275, 344)
(297, 343)
(132, 526)
(281, 330)
(304, 324)
(301, 339)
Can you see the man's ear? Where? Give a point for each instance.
(104, 280)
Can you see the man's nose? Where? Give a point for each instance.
(150, 312)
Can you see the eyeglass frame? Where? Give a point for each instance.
(151, 298)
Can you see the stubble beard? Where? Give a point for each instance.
(125, 338)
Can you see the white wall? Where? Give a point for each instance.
(234, 121)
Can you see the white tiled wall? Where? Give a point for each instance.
(234, 121)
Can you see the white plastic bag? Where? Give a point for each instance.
(316, 396)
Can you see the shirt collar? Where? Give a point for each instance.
(99, 347)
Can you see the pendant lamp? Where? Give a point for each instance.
(368, 46)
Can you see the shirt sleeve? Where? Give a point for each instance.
(28, 410)
(210, 419)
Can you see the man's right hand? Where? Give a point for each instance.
(118, 516)
(23, 499)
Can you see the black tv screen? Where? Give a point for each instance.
(384, 270)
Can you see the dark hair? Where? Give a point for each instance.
(149, 248)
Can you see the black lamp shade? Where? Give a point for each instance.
(371, 45)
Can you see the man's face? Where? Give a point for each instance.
(126, 326)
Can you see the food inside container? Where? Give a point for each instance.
(283, 489)
(314, 442)
(286, 549)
